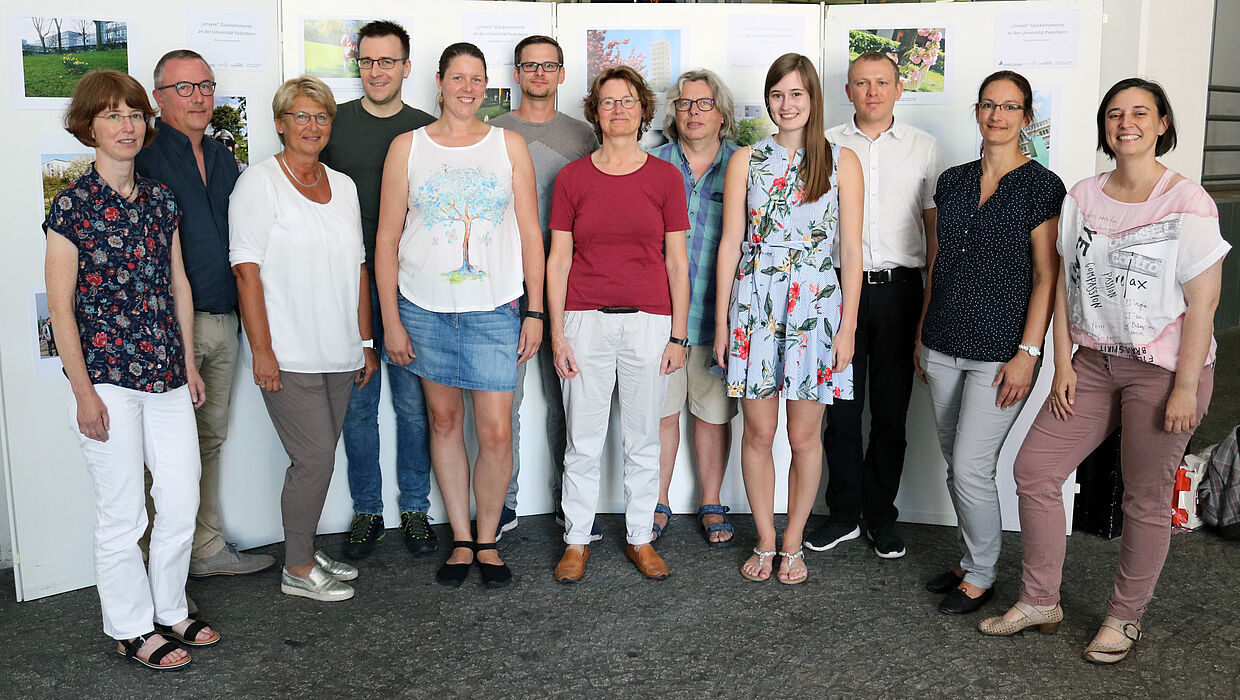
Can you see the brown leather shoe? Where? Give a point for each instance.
(572, 566)
(648, 561)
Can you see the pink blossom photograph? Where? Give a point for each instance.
(921, 53)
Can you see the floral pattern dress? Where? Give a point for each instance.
(786, 301)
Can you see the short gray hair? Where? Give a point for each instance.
(302, 86)
(723, 103)
(177, 55)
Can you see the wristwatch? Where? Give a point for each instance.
(682, 342)
(1033, 350)
(536, 314)
(369, 343)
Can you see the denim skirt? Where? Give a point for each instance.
(471, 350)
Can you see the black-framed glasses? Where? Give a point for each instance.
(185, 88)
(1008, 107)
(610, 103)
(532, 66)
(384, 63)
(303, 118)
(704, 104)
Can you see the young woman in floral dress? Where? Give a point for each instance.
(785, 320)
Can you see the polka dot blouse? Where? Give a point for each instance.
(983, 272)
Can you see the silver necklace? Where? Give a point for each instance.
(290, 173)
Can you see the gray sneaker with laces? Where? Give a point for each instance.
(230, 562)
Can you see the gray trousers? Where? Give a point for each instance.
(308, 414)
(971, 432)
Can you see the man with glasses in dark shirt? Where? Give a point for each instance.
(361, 133)
(201, 173)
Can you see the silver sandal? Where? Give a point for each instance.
(789, 558)
(762, 557)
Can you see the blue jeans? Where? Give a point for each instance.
(361, 435)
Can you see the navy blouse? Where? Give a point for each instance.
(983, 271)
(124, 309)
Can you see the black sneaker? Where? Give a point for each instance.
(507, 521)
(419, 538)
(596, 532)
(831, 534)
(365, 533)
(887, 542)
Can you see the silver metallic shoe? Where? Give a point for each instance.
(319, 585)
(336, 569)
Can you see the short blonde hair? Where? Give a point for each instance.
(302, 86)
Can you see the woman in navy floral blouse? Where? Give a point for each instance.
(115, 284)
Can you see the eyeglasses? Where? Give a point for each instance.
(704, 104)
(384, 63)
(1008, 107)
(532, 66)
(302, 118)
(117, 117)
(610, 103)
(185, 88)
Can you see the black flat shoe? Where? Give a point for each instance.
(944, 582)
(453, 575)
(493, 575)
(957, 602)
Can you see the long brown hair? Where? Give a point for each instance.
(816, 165)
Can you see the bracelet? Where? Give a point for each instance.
(536, 314)
(369, 343)
(682, 342)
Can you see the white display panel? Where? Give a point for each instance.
(970, 52)
(50, 498)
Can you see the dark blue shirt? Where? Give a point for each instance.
(983, 271)
(124, 309)
(169, 159)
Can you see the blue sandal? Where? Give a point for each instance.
(725, 526)
(660, 508)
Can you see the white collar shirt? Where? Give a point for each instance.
(901, 169)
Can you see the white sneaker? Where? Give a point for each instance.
(319, 585)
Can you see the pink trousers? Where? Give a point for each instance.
(1110, 391)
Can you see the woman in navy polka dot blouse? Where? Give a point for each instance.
(988, 303)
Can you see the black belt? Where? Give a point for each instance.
(619, 309)
(895, 274)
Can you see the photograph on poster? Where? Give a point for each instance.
(752, 123)
(59, 170)
(1037, 141)
(330, 47)
(497, 102)
(921, 53)
(230, 127)
(654, 53)
(56, 51)
(43, 346)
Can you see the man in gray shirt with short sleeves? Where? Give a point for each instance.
(555, 140)
(361, 134)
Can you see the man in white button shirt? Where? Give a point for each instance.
(901, 166)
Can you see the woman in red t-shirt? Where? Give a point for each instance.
(618, 295)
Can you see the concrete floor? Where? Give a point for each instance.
(860, 627)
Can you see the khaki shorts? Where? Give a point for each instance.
(707, 395)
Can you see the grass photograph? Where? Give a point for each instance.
(330, 47)
(57, 51)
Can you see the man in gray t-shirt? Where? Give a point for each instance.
(555, 140)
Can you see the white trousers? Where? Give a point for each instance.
(624, 350)
(157, 430)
